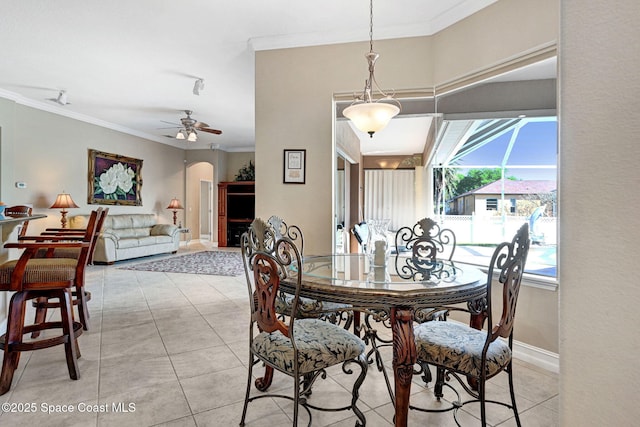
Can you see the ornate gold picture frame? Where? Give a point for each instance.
(114, 179)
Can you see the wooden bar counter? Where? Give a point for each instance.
(7, 225)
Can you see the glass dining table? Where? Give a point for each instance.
(399, 288)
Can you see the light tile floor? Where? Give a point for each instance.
(171, 350)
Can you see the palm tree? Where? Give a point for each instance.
(444, 181)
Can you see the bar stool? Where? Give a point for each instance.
(80, 295)
(31, 278)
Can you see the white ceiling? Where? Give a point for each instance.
(130, 65)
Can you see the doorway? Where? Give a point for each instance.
(206, 210)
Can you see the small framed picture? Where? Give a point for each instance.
(294, 166)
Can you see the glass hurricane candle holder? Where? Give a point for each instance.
(378, 250)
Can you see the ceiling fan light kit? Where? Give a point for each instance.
(189, 128)
(366, 114)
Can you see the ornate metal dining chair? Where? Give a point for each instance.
(339, 314)
(419, 247)
(463, 352)
(302, 349)
(29, 278)
(419, 251)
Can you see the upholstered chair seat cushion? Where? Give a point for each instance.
(320, 345)
(41, 270)
(308, 307)
(459, 347)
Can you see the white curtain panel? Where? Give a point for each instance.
(390, 194)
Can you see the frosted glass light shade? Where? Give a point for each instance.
(371, 117)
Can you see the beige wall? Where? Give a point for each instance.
(295, 88)
(492, 36)
(599, 153)
(50, 153)
(235, 161)
(294, 92)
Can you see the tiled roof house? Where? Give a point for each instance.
(519, 197)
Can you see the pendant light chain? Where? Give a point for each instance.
(367, 114)
(370, 25)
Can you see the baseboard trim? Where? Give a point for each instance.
(537, 356)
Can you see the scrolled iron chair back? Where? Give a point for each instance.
(282, 229)
(267, 261)
(427, 242)
(508, 261)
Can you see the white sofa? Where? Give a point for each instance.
(127, 236)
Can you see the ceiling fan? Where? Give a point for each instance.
(190, 127)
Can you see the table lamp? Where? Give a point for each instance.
(175, 205)
(63, 202)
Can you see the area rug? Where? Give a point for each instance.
(218, 263)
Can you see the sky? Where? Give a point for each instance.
(536, 145)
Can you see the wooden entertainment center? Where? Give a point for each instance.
(236, 210)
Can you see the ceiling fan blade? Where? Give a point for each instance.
(170, 123)
(214, 131)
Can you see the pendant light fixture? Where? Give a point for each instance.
(367, 114)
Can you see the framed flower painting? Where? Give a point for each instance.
(114, 179)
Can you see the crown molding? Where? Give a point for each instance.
(416, 29)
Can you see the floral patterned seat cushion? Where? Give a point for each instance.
(308, 307)
(320, 345)
(459, 347)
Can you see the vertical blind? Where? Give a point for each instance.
(390, 194)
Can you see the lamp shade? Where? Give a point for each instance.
(174, 204)
(64, 201)
(370, 117)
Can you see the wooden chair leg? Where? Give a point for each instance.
(41, 314)
(15, 325)
(71, 345)
(83, 312)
